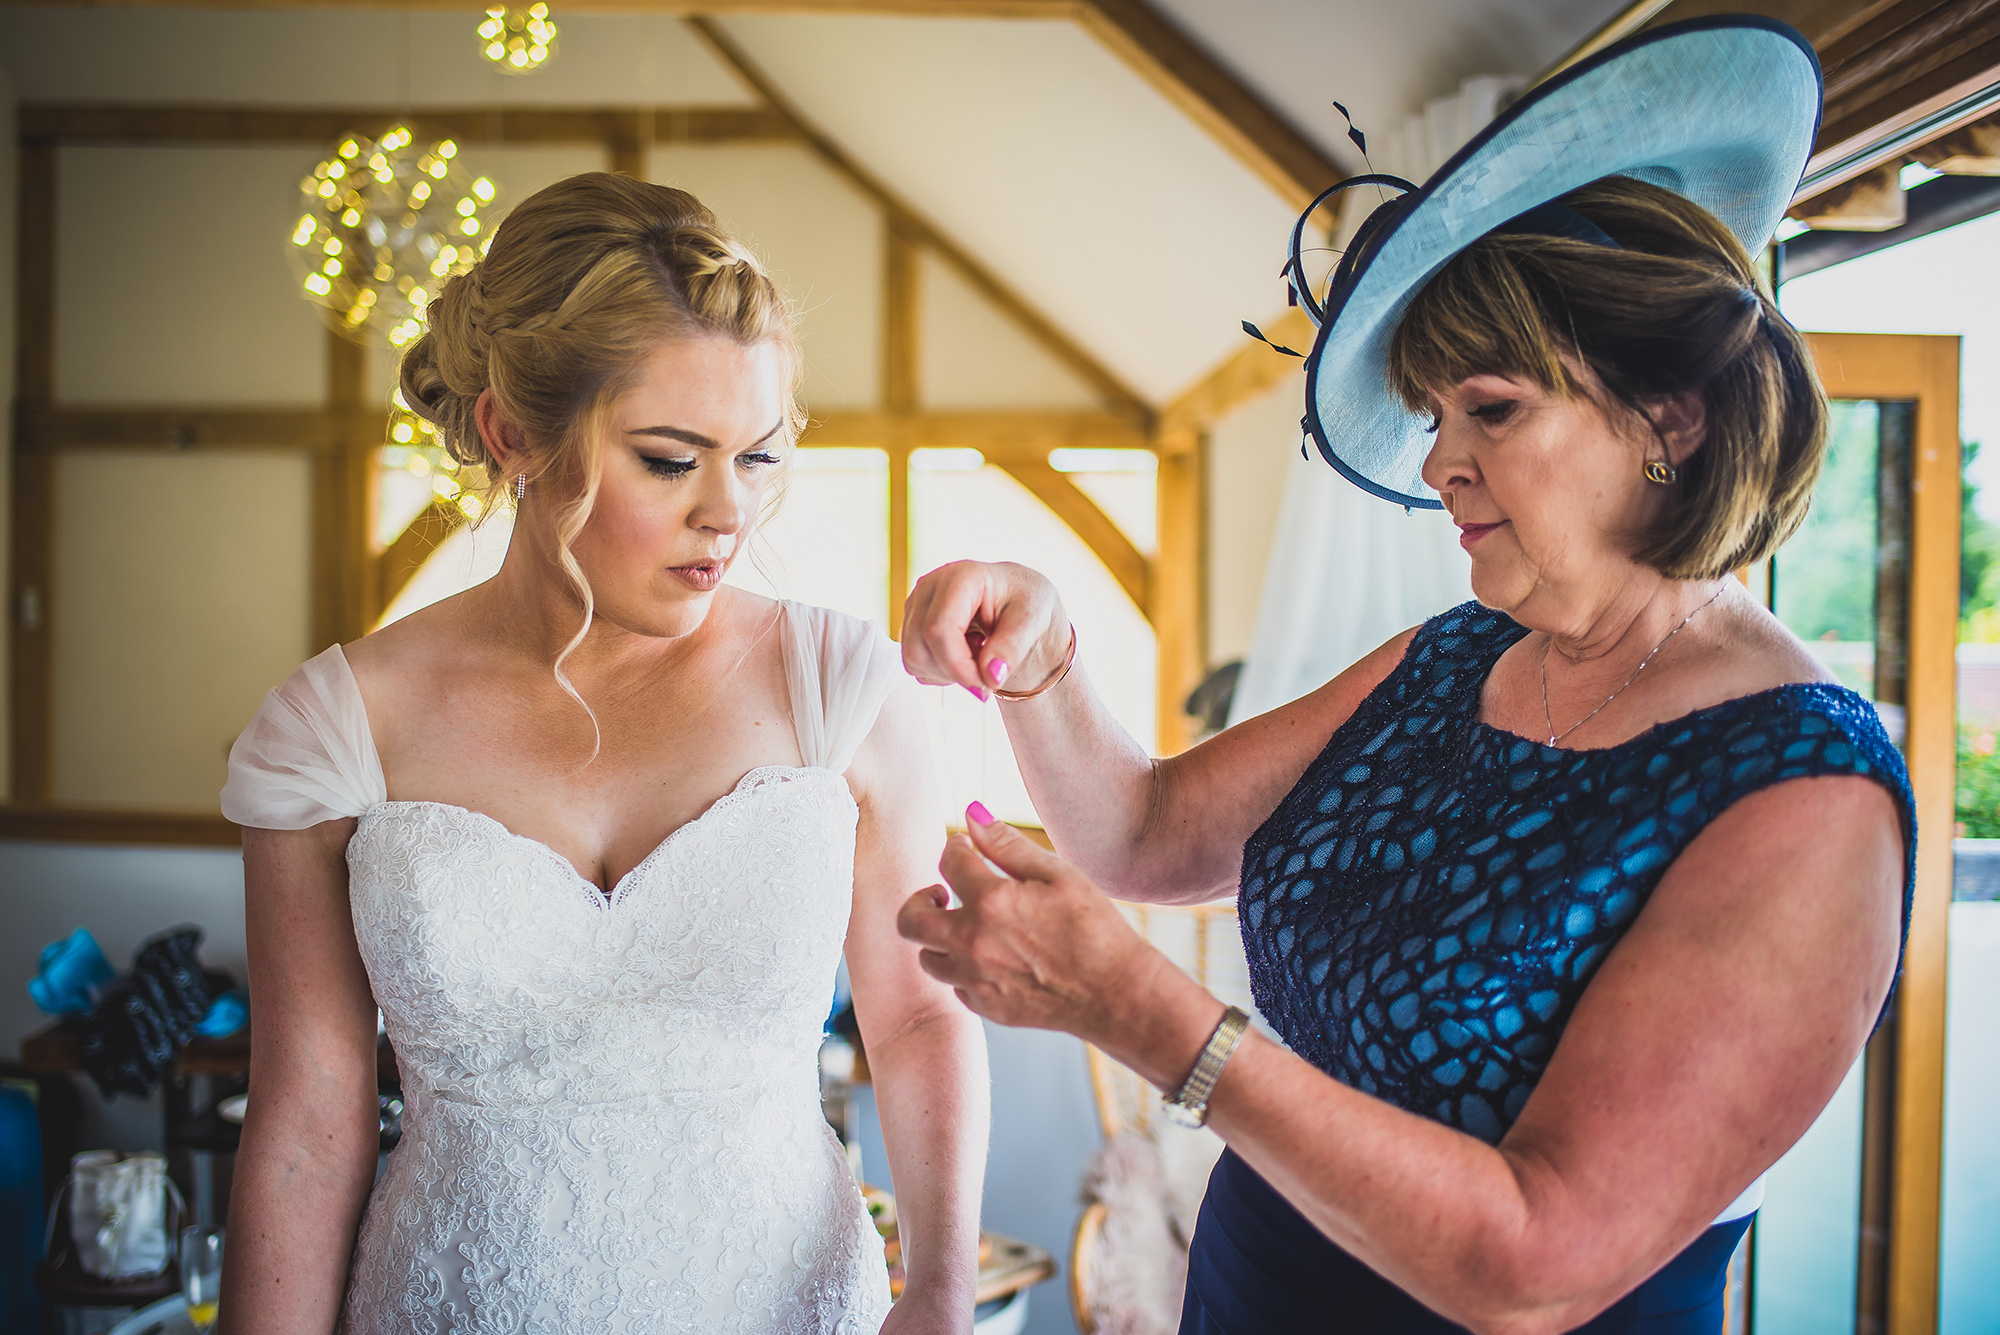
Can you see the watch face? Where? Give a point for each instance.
(1182, 1115)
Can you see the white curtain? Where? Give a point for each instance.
(1346, 572)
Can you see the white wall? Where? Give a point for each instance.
(1971, 1259)
(1250, 453)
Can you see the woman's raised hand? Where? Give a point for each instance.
(1033, 943)
(981, 625)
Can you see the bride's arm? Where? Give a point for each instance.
(309, 1140)
(927, 1052)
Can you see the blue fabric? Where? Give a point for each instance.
(1258, 1267)
(20, 1212)
(230, 1012)
(1423, 910)
(72, 971)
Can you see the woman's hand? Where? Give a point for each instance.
(979, 626)
(1035, 944)
(928, 1311)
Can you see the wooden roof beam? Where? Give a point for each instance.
(904, 217)
(1259, 136)
(991, 9)
(135, 124)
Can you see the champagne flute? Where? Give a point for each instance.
(201, 1275)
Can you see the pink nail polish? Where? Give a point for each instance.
(976, 693)
(979, 813)
(997, 670)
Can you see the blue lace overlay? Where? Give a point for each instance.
(1425, 907)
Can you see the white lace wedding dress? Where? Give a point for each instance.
(613, 1118)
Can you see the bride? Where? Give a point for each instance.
(591, 835)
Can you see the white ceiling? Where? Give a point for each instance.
(1026, 141)
(1382, 59)
(1044, 155)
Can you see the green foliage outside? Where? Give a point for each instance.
(1978, 568)
(1978, 785)
(1826, 573)
(1826, 588)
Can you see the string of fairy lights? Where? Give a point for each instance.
(385, 222)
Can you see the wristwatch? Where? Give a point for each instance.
(1188, 1105)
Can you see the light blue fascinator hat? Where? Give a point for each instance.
(1720, 110)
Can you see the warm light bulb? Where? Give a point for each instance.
(375, 246)
(518, 41)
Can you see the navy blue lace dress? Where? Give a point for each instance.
(1422, 912)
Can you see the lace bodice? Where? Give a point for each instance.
(613, 1115)
(1423, 910)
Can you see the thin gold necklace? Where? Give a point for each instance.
(1549, 718)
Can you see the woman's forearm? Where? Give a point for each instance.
(1094, 787)
(931, 1091)
(1469, 1229)
(302, 1180)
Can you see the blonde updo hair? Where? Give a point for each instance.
(584, 279)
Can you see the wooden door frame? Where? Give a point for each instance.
(1924, 370)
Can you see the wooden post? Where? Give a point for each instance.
(31, 600)
(902, 332)
(1175, 589)
(899, 534)
(345, 585)
(1931, 750)
(1922, 370)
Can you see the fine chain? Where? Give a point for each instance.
(1549, 718)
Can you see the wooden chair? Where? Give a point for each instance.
(1203, 941)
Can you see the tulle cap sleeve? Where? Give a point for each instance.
(840, 670)
(307, 756)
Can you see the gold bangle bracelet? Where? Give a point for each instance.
(1052, 682)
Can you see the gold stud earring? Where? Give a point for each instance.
(1662, 472)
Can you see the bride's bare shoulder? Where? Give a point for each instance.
(420, 646)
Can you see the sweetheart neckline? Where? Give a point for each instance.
(742, 788)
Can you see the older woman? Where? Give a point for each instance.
(1571, 906)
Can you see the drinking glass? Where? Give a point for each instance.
(201, 1274)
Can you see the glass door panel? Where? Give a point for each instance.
(1841, 584)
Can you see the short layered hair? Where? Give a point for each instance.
(1679, 308)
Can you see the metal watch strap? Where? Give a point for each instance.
(1188, 1105)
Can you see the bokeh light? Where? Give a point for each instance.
(518, 41)
(385, 223)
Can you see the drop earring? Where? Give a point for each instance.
(520, 487)
(1662, 472)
